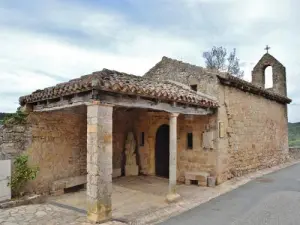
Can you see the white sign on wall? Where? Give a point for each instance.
(5, 174)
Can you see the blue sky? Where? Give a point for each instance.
(50, 41)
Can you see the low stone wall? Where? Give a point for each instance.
(294, 153)
(55, 142)
(58, 146)
(13, 140)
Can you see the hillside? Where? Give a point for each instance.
(294, 134)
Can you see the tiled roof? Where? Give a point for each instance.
(252, 88)
(113, 81)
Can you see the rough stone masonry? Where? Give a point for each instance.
(254, 119)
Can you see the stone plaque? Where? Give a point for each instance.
(208, 138)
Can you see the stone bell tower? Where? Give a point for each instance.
(279, 74)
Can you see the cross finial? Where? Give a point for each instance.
(267, 48)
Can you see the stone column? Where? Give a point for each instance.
(99, 162)
(172, 194)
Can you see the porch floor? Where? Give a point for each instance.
(132, 196)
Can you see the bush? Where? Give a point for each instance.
(22, 173)
(15, 118)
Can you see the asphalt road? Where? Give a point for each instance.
(273, 199)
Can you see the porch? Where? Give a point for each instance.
(144, 107)
(134, 196)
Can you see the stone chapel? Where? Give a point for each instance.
(176, 119)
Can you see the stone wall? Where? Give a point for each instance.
(185, 73)
(138, 120)
(255, 128)
(255, 138)
(55, 141)
(13, 140)
(58, 146)
(257, 134)
(196, 159)
(294, 153)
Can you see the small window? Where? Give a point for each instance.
(142, 139)
(194, 87)
(190, 140)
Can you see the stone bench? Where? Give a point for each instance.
(199, 177)
(58, 186)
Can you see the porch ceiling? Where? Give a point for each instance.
(119, 100)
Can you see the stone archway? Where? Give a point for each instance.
(162, 151)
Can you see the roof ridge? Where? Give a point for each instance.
(210, 71)
(126, 74)
(168, 59)
(164, 58)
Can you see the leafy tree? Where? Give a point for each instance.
(218, 59)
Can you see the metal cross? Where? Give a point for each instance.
(267, 48)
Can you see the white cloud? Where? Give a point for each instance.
(257, 10)
(56, 41)
(193, 3)
(30, 60)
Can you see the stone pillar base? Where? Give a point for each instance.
(131, 170)
(172, 197)
(99, 217)
(98, 212)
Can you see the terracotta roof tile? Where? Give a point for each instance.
(113, 81)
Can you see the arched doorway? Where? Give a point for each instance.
(162, 151)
